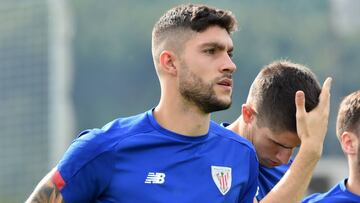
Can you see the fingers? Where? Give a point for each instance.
(300, 103)
(300, 113)
(324, 98)
(327, 83)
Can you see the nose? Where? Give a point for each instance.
(283, 155)
(228, 66)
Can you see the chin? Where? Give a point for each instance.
(266, 164)
(225, 104)
(219, 106)
(225, 101)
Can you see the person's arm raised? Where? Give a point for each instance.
(311, 128)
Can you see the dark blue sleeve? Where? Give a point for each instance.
(86, 169)
(252, 186)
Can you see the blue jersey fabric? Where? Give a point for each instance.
(337, 194)
(268, 177)
(135, 160)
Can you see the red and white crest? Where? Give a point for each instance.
(222, 178)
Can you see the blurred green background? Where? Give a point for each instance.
(113, 73)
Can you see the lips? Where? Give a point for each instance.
(225, 82)
(273, 163)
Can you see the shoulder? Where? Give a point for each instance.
(94, 143)
(229, 136)
(336, 194)
(128, 125)
(103, 139)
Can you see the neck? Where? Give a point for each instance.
(239, 128)
(353, 183)
(185, 120)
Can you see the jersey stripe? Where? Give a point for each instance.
(58, 180)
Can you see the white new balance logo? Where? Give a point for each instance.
(155, 178)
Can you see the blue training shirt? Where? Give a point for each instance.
(268, 177)
(134, 159)
(337, 194)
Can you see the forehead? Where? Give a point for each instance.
(212, 35)
(284, 138)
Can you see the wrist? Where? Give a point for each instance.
(311, 150)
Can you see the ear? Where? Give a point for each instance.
(349, 143)
(247, 113)
(167, 59)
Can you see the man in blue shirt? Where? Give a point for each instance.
(348, 133)
(173, 152)
(284, 109)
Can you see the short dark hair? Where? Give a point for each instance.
(197, 18)
(348, 118)
(273, 93)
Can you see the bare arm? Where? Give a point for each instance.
(46, 191)
(311, 127)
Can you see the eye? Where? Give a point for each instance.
(230, 54)
(210, 51)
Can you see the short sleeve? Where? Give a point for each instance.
(85, 171)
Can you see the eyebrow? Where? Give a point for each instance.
(286, 147)
(217, 46)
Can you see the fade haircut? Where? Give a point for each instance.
(348, 118)
(171, 31)
(273, 94)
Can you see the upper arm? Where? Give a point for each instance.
(81, 175)
(46, 191)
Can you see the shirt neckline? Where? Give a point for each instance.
(158, 127)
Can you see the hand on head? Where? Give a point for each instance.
(312, 126)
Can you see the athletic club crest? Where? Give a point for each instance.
(222, 178)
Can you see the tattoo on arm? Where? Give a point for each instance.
(48, 193)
